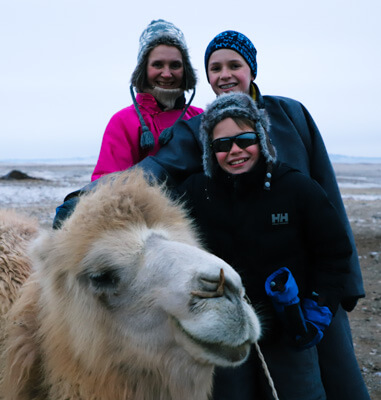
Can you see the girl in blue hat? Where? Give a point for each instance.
(231, 66)
(279, 230)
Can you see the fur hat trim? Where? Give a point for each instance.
(241, 105)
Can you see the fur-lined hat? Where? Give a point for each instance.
(240, 105)
(162, 32)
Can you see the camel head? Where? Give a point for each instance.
(127, 287)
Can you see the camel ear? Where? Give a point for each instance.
(155, 238)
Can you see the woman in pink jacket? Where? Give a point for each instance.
(162, 75)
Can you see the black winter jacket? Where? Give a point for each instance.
(257, 231)
(298, 143)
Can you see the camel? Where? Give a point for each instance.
(15, 235)
(123, 302)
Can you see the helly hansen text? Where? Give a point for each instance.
(279, 219)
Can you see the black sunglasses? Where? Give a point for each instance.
(243, 140)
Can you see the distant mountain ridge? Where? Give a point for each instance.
(340, 159)
(92, 160)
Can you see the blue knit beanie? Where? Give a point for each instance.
(234, 41)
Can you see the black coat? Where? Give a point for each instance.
(298, 143)
(257, 231)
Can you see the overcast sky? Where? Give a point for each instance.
(66, 65)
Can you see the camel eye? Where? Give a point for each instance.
(104, 279)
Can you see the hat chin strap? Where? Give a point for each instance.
(166, 97)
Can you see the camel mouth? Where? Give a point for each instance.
(227, 354)
(233, 354)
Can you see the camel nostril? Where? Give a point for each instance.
(218, 292)
(221, 283)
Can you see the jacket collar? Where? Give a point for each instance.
(258, 96)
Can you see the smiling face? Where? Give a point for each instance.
(165, 67)
(229, 72)
(237, 160)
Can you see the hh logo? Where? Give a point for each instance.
(279, 219)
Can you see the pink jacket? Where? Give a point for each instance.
(121, 141)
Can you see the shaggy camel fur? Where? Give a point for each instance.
(124, 303)
(16, 233)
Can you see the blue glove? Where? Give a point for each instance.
(305, 326)
(281, 287)
(317, 319)
(64, 211)
(320, 316)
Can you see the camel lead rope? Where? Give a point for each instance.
(267, 372)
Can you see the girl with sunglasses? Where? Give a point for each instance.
(262, 216)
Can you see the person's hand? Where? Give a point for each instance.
(305, 324)
(318, 315)
(282, 288)
(64, 211)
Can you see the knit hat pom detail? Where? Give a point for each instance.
(166, 136)
(147, 140)
(161, 32)
(156, 29)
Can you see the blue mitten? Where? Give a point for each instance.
(304, 326)
(283, 290)
(317, 319)
(281, 287)
(320, 316)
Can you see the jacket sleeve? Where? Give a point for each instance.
(120, 145)
(328, 243)
(321, 170)
(180, 157)
(174, 162)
